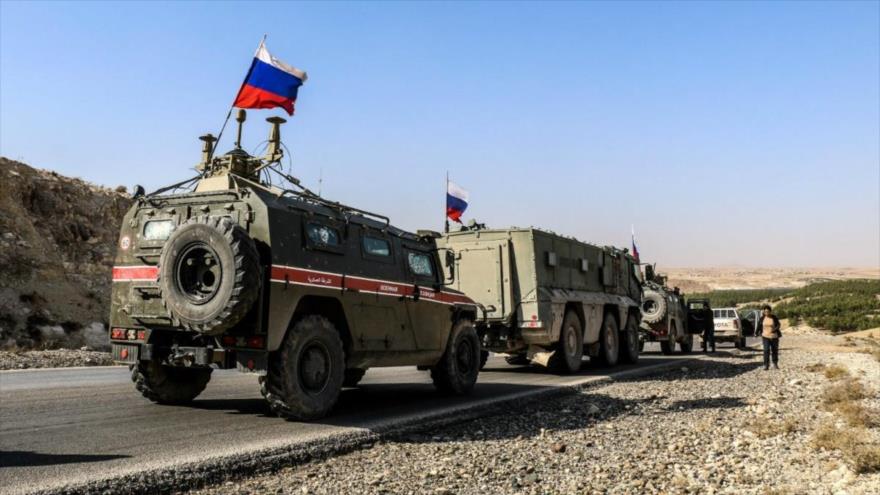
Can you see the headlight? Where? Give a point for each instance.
(157, 230)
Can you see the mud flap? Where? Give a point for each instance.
(540, 356)
(126, 353)
(252, 362)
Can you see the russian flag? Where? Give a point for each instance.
(269, 83)
(456, 201)
(635, 251)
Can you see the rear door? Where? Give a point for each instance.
(483, 273)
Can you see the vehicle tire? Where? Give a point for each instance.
(353, 376)
(169, 384)
(641, 346)
(209, 274)
(632, 344)
(653, 307)
(740, 343)
(457, 371)
(687, 344)
(305, 375)
(667, 347)
(517, 360)
(484, 356)
(609, 341)
(569, 353)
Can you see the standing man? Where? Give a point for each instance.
(709, 329)
(768, 328)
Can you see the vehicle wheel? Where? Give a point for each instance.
(687, 344)
(570, 349)
(484, 356)
(353, 376)
(632, 344)
(641, 346)
(740, 343)
(653, 307)
(457, 371)
(209, 274)
(517, 360)
(305, 376)
(667, 347)
(609, 342)
(169, 384)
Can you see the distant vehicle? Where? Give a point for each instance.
(666, 318)
(728, 327)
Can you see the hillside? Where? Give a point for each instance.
(57, 242)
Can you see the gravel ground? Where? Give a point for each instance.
(689, 430)
(60, 358)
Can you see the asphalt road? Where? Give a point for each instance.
(72, 426)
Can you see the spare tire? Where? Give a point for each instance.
(209, 274)
(653, 307)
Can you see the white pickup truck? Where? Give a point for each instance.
(728, 327)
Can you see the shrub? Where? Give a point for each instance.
(846, 390)
(835, 371)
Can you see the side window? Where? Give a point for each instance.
(420, 264)
(374, 246)
(322, 236)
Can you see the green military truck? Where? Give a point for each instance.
(304, 292)
(548, 299)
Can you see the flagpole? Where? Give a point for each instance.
(232, 107)
(445, 213)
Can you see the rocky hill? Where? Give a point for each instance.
(57, 243)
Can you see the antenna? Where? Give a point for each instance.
(240, 118)
(320, 181)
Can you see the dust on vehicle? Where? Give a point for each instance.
(548, 299)
(307, 293)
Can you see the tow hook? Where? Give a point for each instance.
(178, 358)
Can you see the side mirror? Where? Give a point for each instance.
(138, 191)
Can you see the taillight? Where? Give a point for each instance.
(117, 333)
(141, 335)
(255, 342)
(228, 340)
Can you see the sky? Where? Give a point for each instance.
(726, 134)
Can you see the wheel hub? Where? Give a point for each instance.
(198, 273)
(464, 357)
(314, 368)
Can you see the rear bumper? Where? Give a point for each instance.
(248, 361)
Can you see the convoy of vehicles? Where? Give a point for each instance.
(548, 299)
(308, 293)
(304, 292)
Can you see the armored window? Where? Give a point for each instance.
(373, 246)
(158, 230)
(322, 236)
(420, 265)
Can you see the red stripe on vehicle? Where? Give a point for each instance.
(139, 273)
(385, 287)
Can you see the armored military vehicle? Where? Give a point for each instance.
(548, 299)
(666, 316)
(307, 293)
